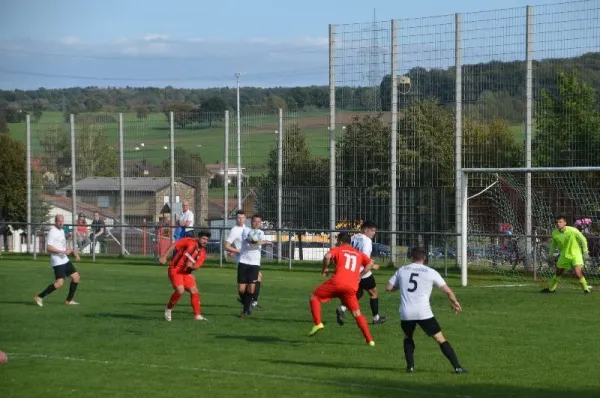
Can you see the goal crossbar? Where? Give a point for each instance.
(465, 199)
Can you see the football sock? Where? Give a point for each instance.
(72, 290)
(343, 308)
(256, 291)
(47, 291)
(409, 352)
(241, 297)
(247, 301)
(449, 353)
(315, 310)
(374, 306)
(195, 301)
(361, 321)
(173, 300)
(583, 283)
(553, 283)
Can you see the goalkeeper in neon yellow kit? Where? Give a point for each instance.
(573, 248)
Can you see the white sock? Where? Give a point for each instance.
(343, 308)
(376, 317)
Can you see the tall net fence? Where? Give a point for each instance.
(498, 241)
(411, 102)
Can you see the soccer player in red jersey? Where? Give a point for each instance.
(343, 284)
(190, 255)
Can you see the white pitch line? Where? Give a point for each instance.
(514, 285)
(229, 372)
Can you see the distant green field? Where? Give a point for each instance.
(257, 137)
(149, 139)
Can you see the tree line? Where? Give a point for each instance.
(495, 88)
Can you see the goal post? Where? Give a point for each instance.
(513, 204)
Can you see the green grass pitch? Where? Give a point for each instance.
(514, 341)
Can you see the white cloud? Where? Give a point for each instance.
(70, 40)
(155, 36)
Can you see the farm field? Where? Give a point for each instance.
(514, 341)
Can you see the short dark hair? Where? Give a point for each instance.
(344, 237)
(368, 224)
(237, 213)
(204, 233)
(418, 253)
(256, 216)
(562, 217)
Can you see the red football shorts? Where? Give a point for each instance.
(331, 289)
(178, 279)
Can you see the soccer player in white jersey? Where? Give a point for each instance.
(363, 242)
(249, 264)
(415, 282)
(233, 245)
(59, 258)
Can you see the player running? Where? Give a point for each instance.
(190, 255)
(415, 282)
(570, 242)
(363, 242)
(343, 284)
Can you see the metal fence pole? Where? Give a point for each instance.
(73, 180)
(528, 130)
(279, 183)
(332, 185)
(28, 128)
(458, 135)
(394, 143)
(172, 161)
(122, 183)
(225, 180)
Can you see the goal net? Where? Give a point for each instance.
(499, 238)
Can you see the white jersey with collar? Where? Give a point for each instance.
(415, 282)
(363, 243)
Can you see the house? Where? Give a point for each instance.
(144, 196)
(218, 169)
(63, 205)
(216, 207)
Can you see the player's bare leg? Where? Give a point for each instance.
(315, 310)
(553, 283)
(173, 301)
(448, 352)
(374, 302)
(578, 273)
(195, 302)
(362, 324)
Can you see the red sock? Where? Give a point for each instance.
(195, 299)
(315, 309)
(361, 321)
(173, 300)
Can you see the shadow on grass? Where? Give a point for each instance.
(269, 339)
(332, 365)
(22, 302)
(457, 386)
(122, 316)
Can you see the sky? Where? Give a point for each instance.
(197, 44)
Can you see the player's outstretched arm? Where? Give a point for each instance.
(368, 268)
(163, 259)
(391, 287)
(326, 262)
(455, 304)
(582, 242)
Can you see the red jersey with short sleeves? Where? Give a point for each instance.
(190, 247)
(348, 263)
